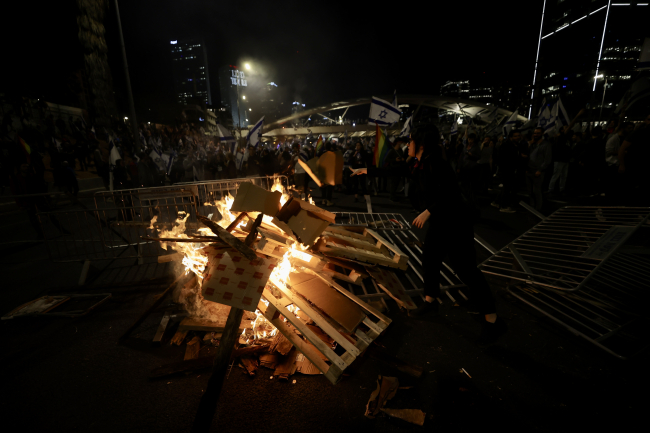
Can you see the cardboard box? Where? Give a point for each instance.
(305, 220)
(251, 198)
(231, 279)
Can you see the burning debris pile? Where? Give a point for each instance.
(279, 259)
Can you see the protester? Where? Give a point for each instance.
(508, 164)
(435, 193)
(357, 161)
(539, 158)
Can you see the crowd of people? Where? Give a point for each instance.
(572, 163)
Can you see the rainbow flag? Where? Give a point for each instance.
(26, 148)
(381, 147)
(319, 144)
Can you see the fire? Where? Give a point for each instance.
(311, 201)
(193, 259)
(277, 186)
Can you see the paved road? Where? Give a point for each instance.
(71, 375)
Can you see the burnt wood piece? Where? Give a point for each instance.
(236, 222)
(179, 337)
(193, 348)
(280, 344)
(228, 238)
(252, 236)
(201, 363)
(210, 399)
(250, 365)
(158, 300)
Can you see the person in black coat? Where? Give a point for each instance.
(434, 191)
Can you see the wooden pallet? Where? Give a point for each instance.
(310, 344)
(368, 247)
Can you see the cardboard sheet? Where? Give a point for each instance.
(326, 170)
(251, 198)
(348, 314)
(305, 220)
(231, 279)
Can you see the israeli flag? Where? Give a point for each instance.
(510, 123)
(142, 139)
(382, 113)
(254, 135)
(304, 156)
(544, 118)
(406, 130)
(454, 128)
(551, 127)
(113, 154)
(227, 138)
(170, 161)
(563, 116)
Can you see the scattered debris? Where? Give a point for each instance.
(414, 416)
(386, 389)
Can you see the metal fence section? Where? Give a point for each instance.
(375, 221)
(114, 229)
(396, 229)
(588, 269)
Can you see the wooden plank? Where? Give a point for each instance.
(344, 232)
(305, 331)
(178, 337)
(193, 348)
(228, 238)
(358, 255)
(399, 257)
(161, 328)
(250, 365)
(319, 320)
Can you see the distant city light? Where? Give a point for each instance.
(173, 42)
(247, 66)
(354, 124)
(200, 119)
(250, 109)
(303, 105)
(244, 97)
(273, 84)
(126, 118)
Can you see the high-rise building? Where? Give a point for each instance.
(457, 89)
(233, 85)
(190, 71)
(587, 51)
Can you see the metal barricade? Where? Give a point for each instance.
(114, 229)
(586, 268)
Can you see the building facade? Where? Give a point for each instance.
(190, 71)
(587, 52)
(233, 85)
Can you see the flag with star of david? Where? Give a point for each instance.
(382, 113)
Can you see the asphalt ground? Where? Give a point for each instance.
(61, 374)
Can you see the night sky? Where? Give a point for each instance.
(321, 52)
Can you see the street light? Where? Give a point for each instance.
(243, 97)
(247, 66)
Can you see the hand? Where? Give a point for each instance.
(538, 173)
(421, 219)
(358, 171)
